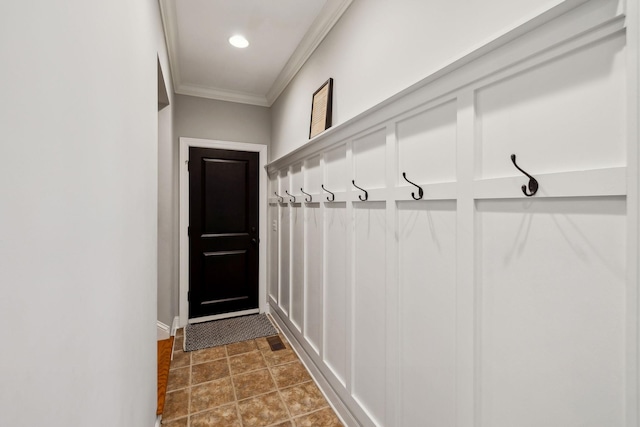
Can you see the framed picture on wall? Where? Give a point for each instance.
(321, 103)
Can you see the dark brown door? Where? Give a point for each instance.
(223, 231)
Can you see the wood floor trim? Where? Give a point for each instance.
(164, 362)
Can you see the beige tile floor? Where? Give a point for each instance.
(245, 384)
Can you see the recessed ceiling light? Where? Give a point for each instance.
(238, 41)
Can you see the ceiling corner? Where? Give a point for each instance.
(168, 15)
(222, 95)
(328, 17)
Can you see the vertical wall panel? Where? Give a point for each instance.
(427, 273)
(297, 265)
(427, 145)
(272, 255)
(552, 312)
(369, 359)
(285, 245)
(313, 176)
(313, 255)
(585, 129)
(297, 249)
(335, 289)
(297, 179)
(313, 272)
(284, 182)
(369, 159)
(335, 162)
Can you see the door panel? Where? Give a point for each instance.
(223, 231)
(230, 216)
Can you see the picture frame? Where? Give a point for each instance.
(321, 109)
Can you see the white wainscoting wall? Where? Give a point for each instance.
(476, 305)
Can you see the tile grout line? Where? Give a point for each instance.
(257, 395)
(270, 375)
(190, 381)
(310, 412)
(275, 383)
(233, 387)
(280, 389)
(233, 384)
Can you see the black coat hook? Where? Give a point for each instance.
(333, 196)
(533, 183)
(420, 192)
(292, 199)
(310, 196)
(280, 198)
(366, 195)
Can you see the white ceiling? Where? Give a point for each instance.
(282, 35)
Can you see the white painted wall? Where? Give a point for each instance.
(379, 48)
(167, 196)
(205, 119)
(78, 212)
(167, 217)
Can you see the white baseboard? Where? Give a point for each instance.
(164, 332)
(175, 325)
(339, 407)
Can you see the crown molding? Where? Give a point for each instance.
(168, 15)
(328, 17)
(222, 95)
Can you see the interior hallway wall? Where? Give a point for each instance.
(208, 119)
(167, 213)
(473, 305)
(167, 262)
(222, 120)
(78, 216)
(379, 48)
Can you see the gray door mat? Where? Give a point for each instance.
(227, 331)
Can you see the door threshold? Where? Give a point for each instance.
(224, 315)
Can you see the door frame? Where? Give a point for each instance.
(185, 144)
